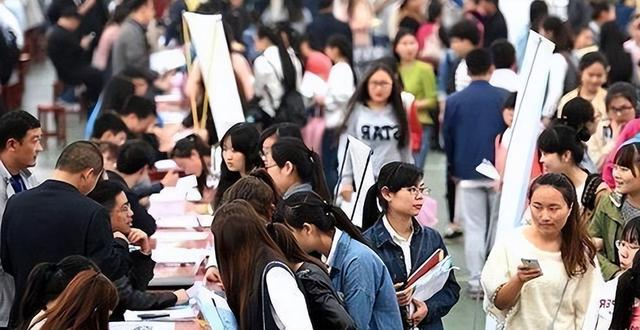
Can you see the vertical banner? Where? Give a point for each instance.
(526, 127)
(358, 154)
(206, 33)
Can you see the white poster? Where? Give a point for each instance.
(208, 38)
(360, 156)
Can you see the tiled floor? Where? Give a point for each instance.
(467, 314)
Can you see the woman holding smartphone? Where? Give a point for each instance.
(542, 276)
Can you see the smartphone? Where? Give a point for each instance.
(531, 263)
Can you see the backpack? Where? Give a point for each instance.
(9, 53)
(291, 108)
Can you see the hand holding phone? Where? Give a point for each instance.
(530, 263)
(528, 270)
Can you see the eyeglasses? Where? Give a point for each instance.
(380, 84)
(621, 109)
(620, 244)
(124, 209)
(417, 191)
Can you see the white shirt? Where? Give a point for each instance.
(340, 88)
(462, 79)
(403, 243)
(555, 84)
(332, 253)
(268, 78)
(505, 79)
(288, 306)
(600, 310)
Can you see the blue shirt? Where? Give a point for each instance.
(424, 242)
(472, 120)
(363, 281)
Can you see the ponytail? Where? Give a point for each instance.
(289, 73)
(342, 222)
(371, 213)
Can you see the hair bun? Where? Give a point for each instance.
(583, 134)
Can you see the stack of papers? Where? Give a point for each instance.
(178, 313)
(142, 325)
(167, 60)
(170, 255)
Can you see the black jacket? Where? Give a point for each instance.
(325, 307)
(324, 26)
(141, 218)
(68, 58)
(132, 288)
(53, 221)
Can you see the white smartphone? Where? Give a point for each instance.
(531, 263)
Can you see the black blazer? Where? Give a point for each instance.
(51, 222)
(141, 218)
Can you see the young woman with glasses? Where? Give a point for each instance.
(403, 244)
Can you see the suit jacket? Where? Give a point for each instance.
(51, 222)
(6, 281)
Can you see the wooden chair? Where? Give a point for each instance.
(59, 130)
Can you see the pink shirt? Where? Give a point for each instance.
(102, 52)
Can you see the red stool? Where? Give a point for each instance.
(59, 120)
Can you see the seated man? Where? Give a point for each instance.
(110, 128)
(139, 271)
(138, 114)
(135, 159)
(69, 55)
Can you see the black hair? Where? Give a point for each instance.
(79, 156)
(510, 101)
(306, 162)
(116, 92)
(361, 96)
(120, 13)
(285, 240)
(622, 89)
(134, 5)
(478, 61)
(598, 8)
(45, 283)
(15, 125)
(134, 156)
(465, 30)
(560, 139)
(139, 106)
(70, 12)
(629, 156)
(561, 35)
(345, 47)
(434, 10)
(538, 10)
(402, 32)
(280, 130)
(108, 122)
(627, 291)
(592, 58)
(324, 4)
(394, 176)
(288, 69)
(309, 207)
(503, 54)
(244, 139)
(576, 113)
(183, 149)
(105, 193)
(611, 45)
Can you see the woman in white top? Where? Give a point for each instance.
(260, 287)
(542, 276)
(555, 30)
(276, 70)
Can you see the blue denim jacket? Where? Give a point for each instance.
(363, 281)
(423, 243)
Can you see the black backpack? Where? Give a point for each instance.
(291, 109)
(9, 54)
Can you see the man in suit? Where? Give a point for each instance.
(56, 220)
(20, 135)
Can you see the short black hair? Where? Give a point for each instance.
(280, 130)
(623, 89)
(139, 106)
(70, 12)
(599, 7)
(80, 156)
(322, 4)
(591, 58)
(510, 101)
(134, 156)
(503, 54)
(478, 62)
(105, 193)
(15, 125)
(109, 121)
(134, 5)
(466, 30)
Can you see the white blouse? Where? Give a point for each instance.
(539, 298)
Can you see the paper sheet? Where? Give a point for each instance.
(214, 309)
(433, 281)
(487, 169)
(167, 60)
(358, 153)
(166, 165)
(171, 255)
(178, 313)
(142, 325)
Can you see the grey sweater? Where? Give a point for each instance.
(132, 49)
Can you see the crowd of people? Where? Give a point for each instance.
(405, 77)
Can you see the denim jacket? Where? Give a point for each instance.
(424, 242)
(363, 281)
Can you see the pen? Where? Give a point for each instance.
(152, 316)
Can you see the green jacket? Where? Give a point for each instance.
(607, 224)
